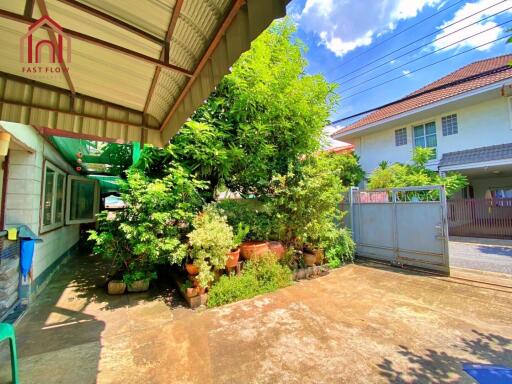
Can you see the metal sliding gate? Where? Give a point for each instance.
(405, 226)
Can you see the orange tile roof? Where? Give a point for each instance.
(472, 76)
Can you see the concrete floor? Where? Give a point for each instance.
(483, 257)
(359, 324)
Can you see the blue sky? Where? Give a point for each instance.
(339, 32)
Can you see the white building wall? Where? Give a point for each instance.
(23, 197)
(479, 125)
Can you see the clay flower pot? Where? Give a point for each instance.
(233, 257)
(191, 291)
(191, 269)
(254, 249)
(139, 286)
(319, 254)
(277, 248)
(309, 259)
(116, 287)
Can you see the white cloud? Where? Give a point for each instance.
(406, 72)
(345, 25)
(473, 35)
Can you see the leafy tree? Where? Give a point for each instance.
(415, 174)
(263, 116)
(348, 168)
(306, 205)
(161, 202)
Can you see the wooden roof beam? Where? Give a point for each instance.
(164, 55)
(100, 43)
(51, 34)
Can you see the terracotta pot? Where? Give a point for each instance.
(254, 249)
(309, 259)
(277, 248)
(139, 286)
(191, 269)
(191, 292)
(319, 254)
(233, 257)
(193, 280)
(116, 287)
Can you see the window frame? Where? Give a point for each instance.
(444, 131)
(424, 136)
(399, 132)
(96, 202)
(54, 224)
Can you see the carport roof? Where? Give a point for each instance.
(138, 69)
(477, 155)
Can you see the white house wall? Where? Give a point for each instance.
(23, 197)
(479, 125)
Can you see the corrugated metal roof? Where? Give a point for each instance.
(477, 155)
(112, 86)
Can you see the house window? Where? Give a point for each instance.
(449, 124)
(425, 136)
(400, 136)
(53, 198)
(82, 201)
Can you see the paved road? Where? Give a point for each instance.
(484, 257)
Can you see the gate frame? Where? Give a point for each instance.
(442, 228)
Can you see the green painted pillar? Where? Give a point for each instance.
(135, 151)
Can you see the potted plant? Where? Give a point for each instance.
(116, 287)
(234, 253)
(277, 248)
(137, 280)
(192, 269)
(210, 241)
(315, 250)
(309, 259)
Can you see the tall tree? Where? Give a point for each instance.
(262, 118)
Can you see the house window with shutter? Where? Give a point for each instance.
(449, 124)
(401, 137)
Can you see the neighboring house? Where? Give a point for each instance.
(466, 117)
(342, 148)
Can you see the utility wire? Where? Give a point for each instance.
(416, 70)
(395, 35)
(423, 56)
(424, 45)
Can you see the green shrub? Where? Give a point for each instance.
(252, 213)
(210, 242)
(416, 174)
(341, 250)
(258, 277)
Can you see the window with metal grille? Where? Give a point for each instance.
(401, 136)
(449, 124)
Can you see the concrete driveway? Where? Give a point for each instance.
(359, 324)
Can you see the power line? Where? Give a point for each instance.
(395, 35)
(424, 45)
(419, 93)
(423, 56)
